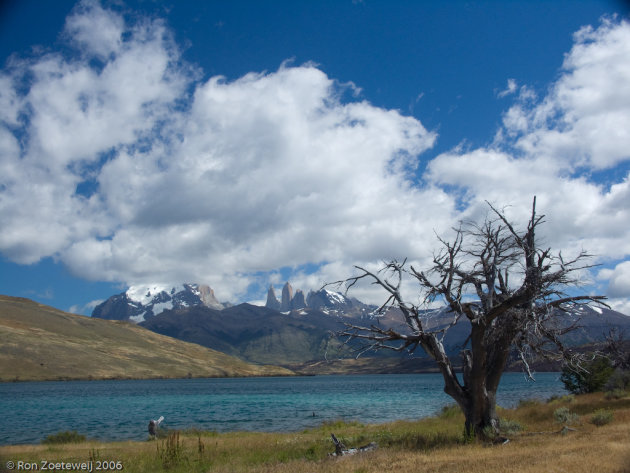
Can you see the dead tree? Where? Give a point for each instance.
(510, 289)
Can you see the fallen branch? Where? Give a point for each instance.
(342, 450)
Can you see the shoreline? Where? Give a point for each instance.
(537, 442)
(294, 374)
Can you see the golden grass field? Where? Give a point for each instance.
(430, 445)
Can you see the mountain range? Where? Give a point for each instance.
(197, 340)
(140, 303)
(299, 332)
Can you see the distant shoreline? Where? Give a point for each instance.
(296, 374)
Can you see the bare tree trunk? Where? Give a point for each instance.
(478, 403)
(475, 396)
(481, 417)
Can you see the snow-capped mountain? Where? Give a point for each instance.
(326, 299)
(141, 302)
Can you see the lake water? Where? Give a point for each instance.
(121, 410)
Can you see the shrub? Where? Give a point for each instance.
(510, 427)
(506, 427)
(590, 378)
(601, 417)
(619, 380)
(563, 415)
(64, 437)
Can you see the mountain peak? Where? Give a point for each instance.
(142, 301)
(272, 300)
(206, 294)
(327, 299)
(287, 297)
(298, 301)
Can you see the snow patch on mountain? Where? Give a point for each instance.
(136, 319)
(336, 297)
(146, 294)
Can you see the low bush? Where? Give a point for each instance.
(69, 436)
(507, 427)
(563, 415)
(510, 427)
(601, 417)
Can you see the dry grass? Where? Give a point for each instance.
(42, 343)
(429, 445)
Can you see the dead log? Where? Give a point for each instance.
(341, 449)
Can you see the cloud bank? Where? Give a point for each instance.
(570, 148)
(118, 160)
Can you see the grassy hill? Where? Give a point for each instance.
(38, 342)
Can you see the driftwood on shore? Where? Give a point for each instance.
(341, 449)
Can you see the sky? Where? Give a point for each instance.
(242, 144)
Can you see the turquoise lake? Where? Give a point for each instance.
(121, 410)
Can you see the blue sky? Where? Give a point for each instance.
(245, 143)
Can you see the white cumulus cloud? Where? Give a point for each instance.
(117, 160)
(618, 279)
(563, 149)
(585, 119)
(110, 174)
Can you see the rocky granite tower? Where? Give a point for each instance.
(287, 297)
(298, 301)
(272, 300)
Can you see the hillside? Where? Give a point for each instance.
(42, 343)
(253, 333)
